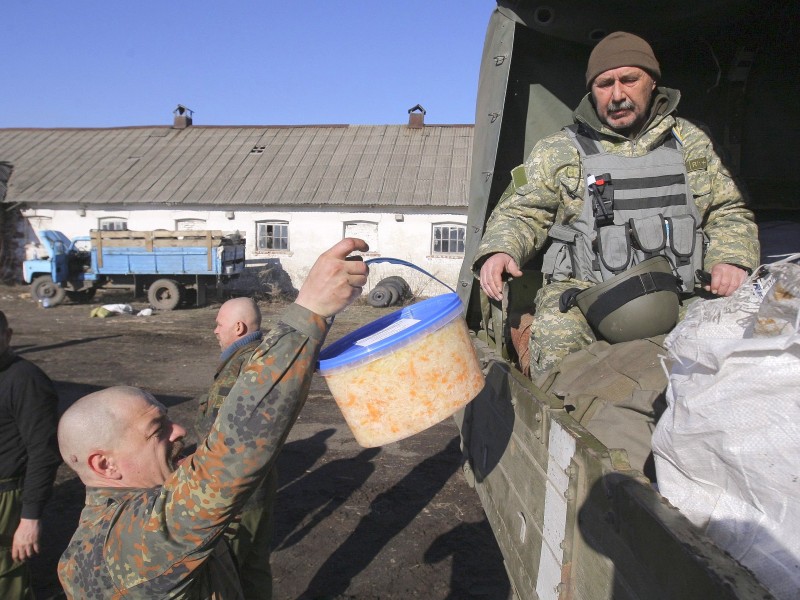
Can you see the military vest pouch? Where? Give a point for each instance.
(559, 256)
(682, 237)
(648, 234)
(614, 248)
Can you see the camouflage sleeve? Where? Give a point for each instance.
(727, 221)
(180, 527)
(539, 190)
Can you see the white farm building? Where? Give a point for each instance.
(291, 191)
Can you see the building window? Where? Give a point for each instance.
(272, 235)
(112, 224)
(190, 224)
(364, 230)
(40, 223)
(449, 239)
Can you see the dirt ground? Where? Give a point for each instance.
(391, 522)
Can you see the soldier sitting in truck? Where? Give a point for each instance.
(628, 204)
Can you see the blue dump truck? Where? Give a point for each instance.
(172, 268)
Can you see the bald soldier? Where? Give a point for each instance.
(154, 528)
(238, 331)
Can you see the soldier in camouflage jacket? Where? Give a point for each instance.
(153, 528)
(629, 116)
(238, 330)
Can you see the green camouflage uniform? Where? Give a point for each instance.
(549, 188)
(168, 541)
(250, 534)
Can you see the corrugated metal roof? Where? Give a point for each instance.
(356, 165)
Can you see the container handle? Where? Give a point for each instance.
(397, 261)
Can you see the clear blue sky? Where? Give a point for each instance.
(91, 63)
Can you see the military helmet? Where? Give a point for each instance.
(638, 303)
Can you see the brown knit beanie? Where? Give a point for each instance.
(621, 49)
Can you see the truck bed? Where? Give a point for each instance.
(162, 252)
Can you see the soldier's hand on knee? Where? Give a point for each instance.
(492, 271)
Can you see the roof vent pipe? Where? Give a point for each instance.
(416, 117)
(183, 117)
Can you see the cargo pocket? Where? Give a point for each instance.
(557, 263)
(614, 249)
(648, 235)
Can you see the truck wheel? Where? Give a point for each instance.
(380, 297)
(81, 295)
(44, 288)
(398, 282)
(189, 297)
(164, 294)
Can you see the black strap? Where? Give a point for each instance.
(8, 485)
(588, 143)
(630, 289)
(641, 183)
(568, 299)
(657, 202)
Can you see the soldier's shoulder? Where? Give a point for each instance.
(692, 131)
(552, 154)
(556, 142)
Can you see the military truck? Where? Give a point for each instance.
(170, 267)
(572, 518)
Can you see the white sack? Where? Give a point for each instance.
(727, 450)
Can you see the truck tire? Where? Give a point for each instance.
(399, 283)
(43, 288)
(164, 294)
(381, 296)
(81, 295)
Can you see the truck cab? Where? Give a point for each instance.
(59, 268)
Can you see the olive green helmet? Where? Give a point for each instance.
(638, 303)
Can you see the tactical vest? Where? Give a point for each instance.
(634, 208)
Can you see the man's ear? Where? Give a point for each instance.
(241, 328)
(104, 466)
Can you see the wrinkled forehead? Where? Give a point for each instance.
(619, 73)
(142, 405)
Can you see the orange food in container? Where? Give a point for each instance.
(404, 372)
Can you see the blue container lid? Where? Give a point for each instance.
(389, 333)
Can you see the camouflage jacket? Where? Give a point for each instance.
(224, 379)
(209, 404)
(167, 542)
(550, 189)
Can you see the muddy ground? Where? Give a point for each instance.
(391, 522)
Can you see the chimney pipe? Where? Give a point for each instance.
(416, 117)
(183, 117)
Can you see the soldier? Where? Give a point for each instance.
(153, 526)
(238, 331)
(627, 182)
(29, 460)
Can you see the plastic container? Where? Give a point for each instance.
(404, 372)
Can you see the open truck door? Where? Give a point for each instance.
(572, 518)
